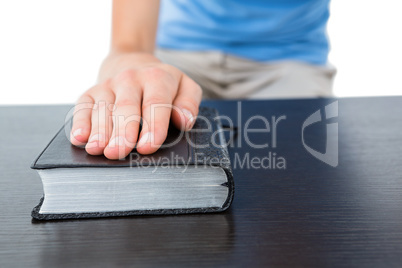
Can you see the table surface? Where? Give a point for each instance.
(309, 214)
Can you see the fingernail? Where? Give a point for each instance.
(147, 137)
(96, 137)
(189, 116)
(77, 132)
(118, 141)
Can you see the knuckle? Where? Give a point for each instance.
(126, 76)
(105, 84)
(149, 102)
(125, 102)
(169, 68)
(155, 73)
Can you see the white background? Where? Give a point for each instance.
(50, 51)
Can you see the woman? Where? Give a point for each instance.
(198, 49)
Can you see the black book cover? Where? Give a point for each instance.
(203, 145)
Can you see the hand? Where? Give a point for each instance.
(133, 86)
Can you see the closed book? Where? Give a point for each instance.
(191, 173)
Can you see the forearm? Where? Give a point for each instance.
(134, 26)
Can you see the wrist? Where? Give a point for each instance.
(131, 49)
(117, 61)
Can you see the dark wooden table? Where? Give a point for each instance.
(309, 214)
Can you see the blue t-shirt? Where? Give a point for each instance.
(261, 30)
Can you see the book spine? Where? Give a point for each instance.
(216, 153)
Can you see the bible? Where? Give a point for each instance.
(191, 173)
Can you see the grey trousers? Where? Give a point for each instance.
(223, 76)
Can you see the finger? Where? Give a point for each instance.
(159, 90)
(126, 116)
(186, 104)
(101, 120)
(82, 120)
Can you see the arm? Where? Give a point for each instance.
(131, 83)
